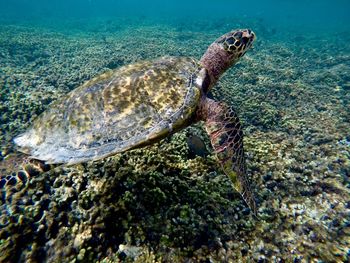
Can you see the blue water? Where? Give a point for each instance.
(318, 15)
(291, 92)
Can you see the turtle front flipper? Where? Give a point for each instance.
(226, 136)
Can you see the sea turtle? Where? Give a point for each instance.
(142, 103)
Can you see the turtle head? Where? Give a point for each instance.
(236, 43)
(226, 51)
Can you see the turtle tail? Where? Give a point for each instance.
(226, 135)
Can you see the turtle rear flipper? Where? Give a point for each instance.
(18, 168)
(226, 136)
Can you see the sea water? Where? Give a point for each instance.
(168, 203)
(308, 14)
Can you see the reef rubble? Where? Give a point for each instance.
(161, 203)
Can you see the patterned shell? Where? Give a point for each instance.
(129, 107)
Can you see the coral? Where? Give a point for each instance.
(162, 203)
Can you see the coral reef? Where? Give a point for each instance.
(161, 203)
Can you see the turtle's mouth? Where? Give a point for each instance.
(248, 38)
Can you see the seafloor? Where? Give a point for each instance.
(163, 203)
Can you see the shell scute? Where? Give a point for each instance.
(116, 111)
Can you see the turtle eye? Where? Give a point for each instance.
(232, 48)
(245, 40)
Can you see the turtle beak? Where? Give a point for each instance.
(249, 34)
(248, 37)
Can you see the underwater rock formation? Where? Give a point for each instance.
(161, 203)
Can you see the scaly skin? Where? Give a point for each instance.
(221, 121)
(140, 104)
(225, 52)
(226, 136)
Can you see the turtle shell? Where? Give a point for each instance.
(129, 107)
